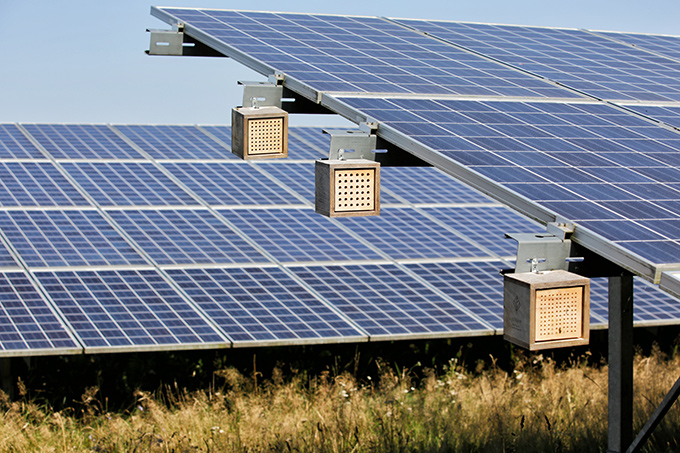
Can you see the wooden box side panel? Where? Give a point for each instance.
(517, 312)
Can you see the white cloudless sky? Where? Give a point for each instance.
(77, 61)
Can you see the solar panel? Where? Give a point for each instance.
(81, 141)
(668, 46)
(486, 225)
(476, 137)
(128, 184)
(667, 114)
(66, 238)
(36, 184)
(411, 234)
(311, 142)
(185, 237)
(353, 54)
(294, 235)
(473, 285)
(587, 62)
(428, 185)
(113, 310)
(263, 306)
(231, 184)
(6, 259)
(28, 326)
(388, 303)
(15, 145)
(175, 142)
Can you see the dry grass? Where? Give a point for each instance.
(537, 407)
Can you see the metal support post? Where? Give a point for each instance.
(620, 362)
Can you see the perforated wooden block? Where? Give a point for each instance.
(546, 310)
(347, 188)
(259, 133)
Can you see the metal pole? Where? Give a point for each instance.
(620, 362)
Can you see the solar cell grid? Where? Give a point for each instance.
(81, 141)
(487, 225)
(126, 309)
(26, 322)
(358, 54)
(593, 64)
(175, 142)
(664, 45)
(185, 237)
(311, 139)
(668, 114)
(231, 184)
(387, 302)
(420, 185)
(298, 235)
(474, 285)
(14, 144)
(36, 184)
(403, 233)
(261, 305)
(127, 184)
(6, 259)
(66, 238)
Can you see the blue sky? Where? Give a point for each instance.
(83, 61)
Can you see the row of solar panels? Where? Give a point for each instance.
(405, 56)
(514, 111)
(103, 272)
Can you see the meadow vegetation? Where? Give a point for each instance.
(534, 405)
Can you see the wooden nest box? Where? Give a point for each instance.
(544, 310)
(259, 132)
(347, 188)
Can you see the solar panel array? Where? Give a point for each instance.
(560, 124)
(170, 251)
(132, 237)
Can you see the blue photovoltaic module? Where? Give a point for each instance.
(66, 238)
(36, 184)
(579, 59)
(128, 184)
(127, 309)
(15, 145)
(228, 184)
(175, 142)
(86, 141)
(388, 303)
(668, 46)
(356, 54)
(264, 305)
(27, 324)
(185, 237)
(294, 235)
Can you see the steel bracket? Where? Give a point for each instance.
(354, 144)
(176, 43)
(263, 94)
(544, 251)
